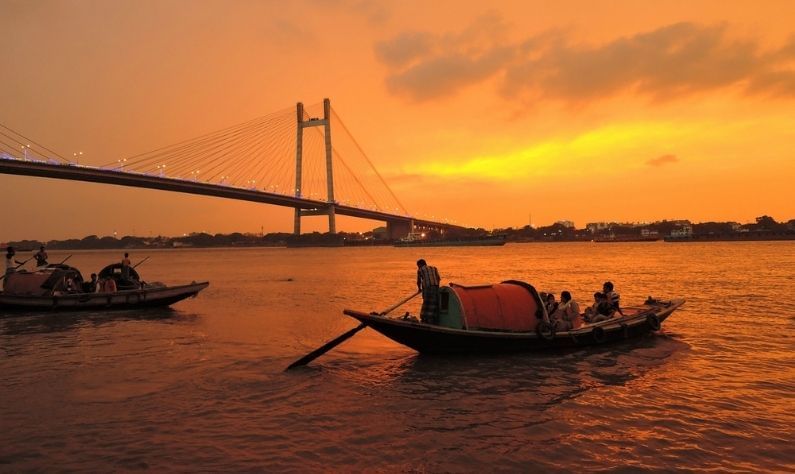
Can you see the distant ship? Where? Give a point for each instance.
(627, 238)
(416, 240)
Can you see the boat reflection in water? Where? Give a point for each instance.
(60, 287)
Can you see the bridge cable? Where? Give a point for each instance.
(368, 159)
(31, 141)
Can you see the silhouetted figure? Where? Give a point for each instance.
(41, 258)
(90, 286)
(428, 283)
(125, 267)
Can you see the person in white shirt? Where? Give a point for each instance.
(11, 263)
(568, 313)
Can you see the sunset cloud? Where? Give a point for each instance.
(663, 64)
(607, 149)
(662, 160)
(405, 47)
(445, 75)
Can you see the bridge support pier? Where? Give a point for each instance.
(299, 149)
(299, 153)
(396, 230)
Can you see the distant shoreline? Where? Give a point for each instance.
(389, 244)
(764, 229)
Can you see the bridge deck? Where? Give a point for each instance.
(90, 174)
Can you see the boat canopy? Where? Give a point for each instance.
(42, 282)
(114, 269)
(506, 306)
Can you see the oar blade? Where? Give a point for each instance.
(326, 347)
(340, 339)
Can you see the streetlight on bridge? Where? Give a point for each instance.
(25, 149)
(77, 156)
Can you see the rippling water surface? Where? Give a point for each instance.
(201, 386)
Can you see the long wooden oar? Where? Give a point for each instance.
(342, 338)
(19, 265)
(142, 261)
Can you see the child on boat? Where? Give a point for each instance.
(601, 310)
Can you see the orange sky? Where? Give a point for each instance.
(482, 114)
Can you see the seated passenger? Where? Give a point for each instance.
(568, 313)
(551, 304)
(590, 311)
(109, 285)
(612, 297)
(90, 286)
(542, 295)
(601, 310)
(70, 284)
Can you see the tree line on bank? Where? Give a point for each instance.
(198, 239)
(763, 225)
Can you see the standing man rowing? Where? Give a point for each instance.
(428, 283)
(41, 258)
(125, 266)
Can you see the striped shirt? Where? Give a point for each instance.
(612, 298)
(427, 276)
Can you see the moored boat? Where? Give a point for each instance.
(627, 238)
(508, 317)
(413, 240)
(60, 288)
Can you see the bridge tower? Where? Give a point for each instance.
(325, 122)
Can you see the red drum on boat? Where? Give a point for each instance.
(503, 306)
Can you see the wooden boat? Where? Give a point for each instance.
(59, 288)
(508, 317)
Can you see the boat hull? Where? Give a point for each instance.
(127, 299)
(431, 339)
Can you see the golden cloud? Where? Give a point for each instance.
(663, 64)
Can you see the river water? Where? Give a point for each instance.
(202, 387)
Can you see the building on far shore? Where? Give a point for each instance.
(565, 223)
(683, 231)
(594, 227)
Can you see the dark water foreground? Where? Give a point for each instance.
(201, 387)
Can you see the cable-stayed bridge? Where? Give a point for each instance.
(286, 158)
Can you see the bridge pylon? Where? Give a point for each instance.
(325, 122)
